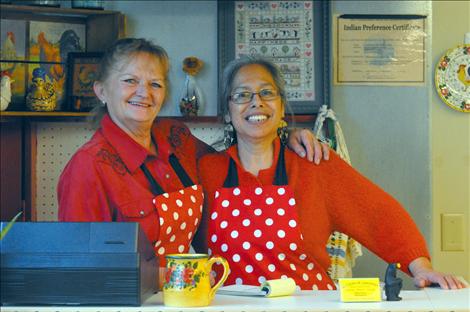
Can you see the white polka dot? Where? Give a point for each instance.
(297, 288)
(305, 277)
(292, 267)
(329, 286)
(236, 257)
(196, 221)
(292, 202)
(281, 191)
(166, 195)
(162, 221)
(154, 201)
(235, 212)
(261, 279)
(270, 245)
(247, 202)
(181, 191)
(168, 230)
(281, 256)
(269, 200)
(194, 187)
(257, 233)
(249, 269)
(216, 194)
(179, 203)
(158, 243)
(225, 203)
(292, 223)
(183, 226)
(236, 191)
(281, 234)
(193, 199)
(301, 237)
(283, 276)
(190, 234)
(303, 257)
(214, 238)
(190, 211)
(246, 245)
(271, 268)
(246, 222)
(258, 212)
(214, 215)
(314, 287)
(164, 207)
(319, 277)
(234, 234)
(161, 250)
(258, 191)
(200, 208)
(172, 238)
(269, 221)
(223, 224)
(259, 256)
(209, 251)
(176, 216)
(224, 247)
(239, 281)
(310, 266)
(281, 212)
(180, 248)
(293, 246)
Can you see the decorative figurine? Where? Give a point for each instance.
(5, 91)
(41, 94)
(393, 284)
(191, 100)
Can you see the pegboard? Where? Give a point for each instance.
(57, 142)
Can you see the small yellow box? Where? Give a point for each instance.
(360, 289)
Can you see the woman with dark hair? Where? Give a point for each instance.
(270, 212)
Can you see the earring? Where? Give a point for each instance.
(229, 133)
(282, 132)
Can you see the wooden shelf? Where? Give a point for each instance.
(44, 114)
(45, 10)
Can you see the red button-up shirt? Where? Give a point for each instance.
(103, 180)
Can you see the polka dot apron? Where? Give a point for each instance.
(257, 230)
(178, 213)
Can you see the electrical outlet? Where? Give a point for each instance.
(452, 230)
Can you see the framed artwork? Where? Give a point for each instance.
(83, 70)
(292, 34)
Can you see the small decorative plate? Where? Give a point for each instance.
(452, 78)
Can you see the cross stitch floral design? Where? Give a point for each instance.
(183, 275)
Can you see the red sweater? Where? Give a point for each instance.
(331, 196)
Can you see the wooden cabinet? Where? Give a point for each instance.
(17, 128)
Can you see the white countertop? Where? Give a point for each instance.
(428, 299)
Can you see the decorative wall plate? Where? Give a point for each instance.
(452, 78)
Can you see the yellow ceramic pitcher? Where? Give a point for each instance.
(187, 282)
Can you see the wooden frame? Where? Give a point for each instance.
(82, 73)
(293, 36)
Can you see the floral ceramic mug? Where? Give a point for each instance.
(187, 279)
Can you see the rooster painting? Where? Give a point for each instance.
(9, 53)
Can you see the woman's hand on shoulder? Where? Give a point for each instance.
(424, 275)
(304, 143)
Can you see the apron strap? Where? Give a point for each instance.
(281, 173)
(232, 177)
(179, 170)
(280, 177)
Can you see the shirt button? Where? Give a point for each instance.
(167, 175)
(142, 212)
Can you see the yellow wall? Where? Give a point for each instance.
(450, 142)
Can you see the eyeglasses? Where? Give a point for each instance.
(247, 96)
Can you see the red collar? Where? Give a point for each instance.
(131, 152)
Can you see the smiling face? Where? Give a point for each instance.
(134, 91)
(258, 119)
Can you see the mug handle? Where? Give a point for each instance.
(209, 264)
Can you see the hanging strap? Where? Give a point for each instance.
(179, 170)
(280, 177)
